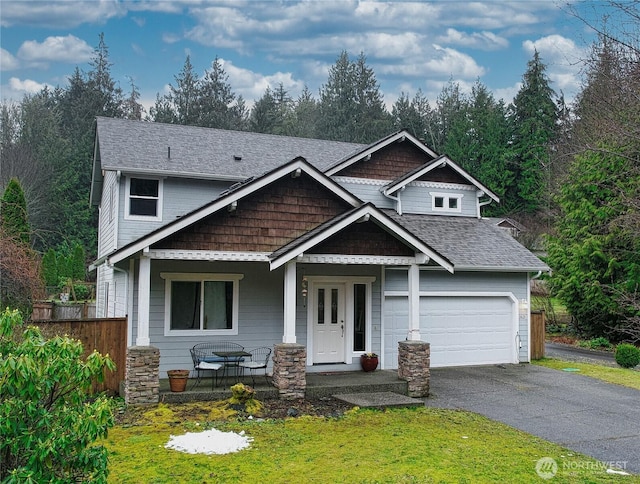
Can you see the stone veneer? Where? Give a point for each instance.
(142, 375)
(289, 370)
(413, 366)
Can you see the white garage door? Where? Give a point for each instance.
(466, 330)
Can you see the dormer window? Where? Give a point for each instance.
(144, 199)
(446, 202)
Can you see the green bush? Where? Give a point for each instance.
(49, 422)
(596, 343)
(627, 355)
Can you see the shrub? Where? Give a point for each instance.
(596, 343)
(48, 420)
(627, 355)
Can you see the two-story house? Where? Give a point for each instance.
(207, 234)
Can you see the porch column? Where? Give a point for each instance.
(289, 335)
(414, 303)
(144, 294)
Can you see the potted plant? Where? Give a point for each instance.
(178, 380)
(369, 361)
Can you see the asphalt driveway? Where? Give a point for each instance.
(586, 415)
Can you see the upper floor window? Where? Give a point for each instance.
(144, 199)
(446, 202)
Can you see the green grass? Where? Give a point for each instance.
(620, 376)
(365, 446)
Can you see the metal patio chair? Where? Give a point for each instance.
(259, 361)
(204, 359)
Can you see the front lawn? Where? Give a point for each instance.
(620, 376)
(399, 445)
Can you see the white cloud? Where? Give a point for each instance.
(169, 38)
(484, 40)
(69, 49)
(507, 93)
(59, 14)
(251, 85)
(26, 86)
(443, 62)
(7, 61)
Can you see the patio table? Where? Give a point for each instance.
(232, 358)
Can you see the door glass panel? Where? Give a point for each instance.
(320, 306)
(334, 306)
(359, 316)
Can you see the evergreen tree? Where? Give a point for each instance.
(264, 113)
(305, 115)
(351, 105)
(185, 95)
(217, 100)
(534, 119)
(13, 213)
(489, 145)
(594, 261)
(414, 115)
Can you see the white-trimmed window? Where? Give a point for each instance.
(144, 199)
(446, 202)
(197, 303)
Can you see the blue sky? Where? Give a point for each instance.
(410, 45)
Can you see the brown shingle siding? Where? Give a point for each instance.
(263, 221)
(363, 239)
(389, 163)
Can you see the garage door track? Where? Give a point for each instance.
(586, 415)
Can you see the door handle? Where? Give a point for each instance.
(342, 328)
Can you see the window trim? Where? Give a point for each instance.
(127, 199)
(447, 197)
(169, 277)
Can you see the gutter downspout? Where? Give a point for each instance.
(396, 199)
(481, 204)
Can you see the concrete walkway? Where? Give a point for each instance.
(584, 414)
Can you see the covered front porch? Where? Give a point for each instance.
(319, 385)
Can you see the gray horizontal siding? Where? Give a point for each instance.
(180, 196)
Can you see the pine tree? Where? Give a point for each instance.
(534, 119)
(13, 213)
(351, 105)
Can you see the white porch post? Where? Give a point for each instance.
(289, 335)
(414, 303)
(144, 293)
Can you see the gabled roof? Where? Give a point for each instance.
(439, 162)
(365, 212)
(143, 147)
(471, 244)
(293, 168)
(157, 149)
(372, 148)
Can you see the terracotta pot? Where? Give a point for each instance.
(368, 363)
(178, 380)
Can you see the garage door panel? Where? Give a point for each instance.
(468, 330)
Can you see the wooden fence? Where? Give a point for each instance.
(106, 336)
(538, 333)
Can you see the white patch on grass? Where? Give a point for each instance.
(209, 442)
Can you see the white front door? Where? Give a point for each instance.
(329, 323)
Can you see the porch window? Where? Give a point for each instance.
(201, 303)
(144, 199)
(359, 317)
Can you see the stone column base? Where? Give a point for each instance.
(289, 370)
(413, 366)
(142, 375)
